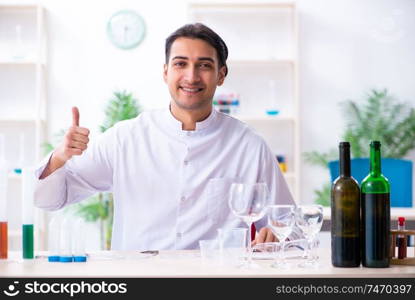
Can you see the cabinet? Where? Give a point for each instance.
(262, 39)
(23, 103)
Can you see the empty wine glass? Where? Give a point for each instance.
(309, 218)
(248, 202)
(281, 220)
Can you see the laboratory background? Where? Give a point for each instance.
(304, 74)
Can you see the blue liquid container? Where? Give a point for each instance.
(272, 112)
(53, 239)
(79, 254)
(65, 241)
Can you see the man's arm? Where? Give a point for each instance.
(67, 176)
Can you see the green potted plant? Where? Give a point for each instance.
(381, 117)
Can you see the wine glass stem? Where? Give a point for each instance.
(249, 243)
(309, 249)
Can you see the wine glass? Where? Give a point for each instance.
(248, 202)
(281, 220)
(309, 218)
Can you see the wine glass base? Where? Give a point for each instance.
(281, 265)
(309, 265)
(249, 265)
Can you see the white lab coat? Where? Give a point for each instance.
(159, 175)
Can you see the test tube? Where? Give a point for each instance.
(28, 181)
(78, 240)
(21, 161)
(272, 103)
(3, 202)
(401, 239)
(53, 238)
(65, 240)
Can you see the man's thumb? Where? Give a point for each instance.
(75, 116)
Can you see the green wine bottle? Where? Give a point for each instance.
(375, 213)
(345, 214)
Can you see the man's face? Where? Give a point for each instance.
(192, 73)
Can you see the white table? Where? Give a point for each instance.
(180, 264)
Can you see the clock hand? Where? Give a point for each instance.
(125, 33)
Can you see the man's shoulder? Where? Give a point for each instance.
(141, 120)
(236, 127)
(231, 122)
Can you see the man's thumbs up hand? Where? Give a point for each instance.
(75, 116)
(75, 140)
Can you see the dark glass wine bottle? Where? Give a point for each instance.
(345, 214)
(375, 213)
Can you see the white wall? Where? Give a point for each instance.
(346, 48)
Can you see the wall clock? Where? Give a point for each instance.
(126, 29)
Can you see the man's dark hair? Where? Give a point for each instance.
(200, 31)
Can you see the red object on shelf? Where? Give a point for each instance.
(253, 231)
(3, 240)
(401, 239)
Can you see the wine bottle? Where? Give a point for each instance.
(345, 214)
(375, 213)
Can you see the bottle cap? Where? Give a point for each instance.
(281, 158)
(65, 258)
(375, 144)
(401, 221)
(79, 258)
(53, 258)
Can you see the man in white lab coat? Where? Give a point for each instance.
(160, 165)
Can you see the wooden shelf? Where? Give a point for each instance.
(289, 175)
(14, 176)
(6, 6)
(21, 62)
(21, 120)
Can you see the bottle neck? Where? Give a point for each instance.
(344, 162)
(375, 160)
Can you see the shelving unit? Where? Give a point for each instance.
(262, 39)
(21, 62)
(23, 45)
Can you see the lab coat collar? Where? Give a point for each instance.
(176, 124)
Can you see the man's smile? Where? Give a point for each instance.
(191, 90)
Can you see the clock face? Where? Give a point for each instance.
(126, 29)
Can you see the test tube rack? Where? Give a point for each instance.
(409, 260)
